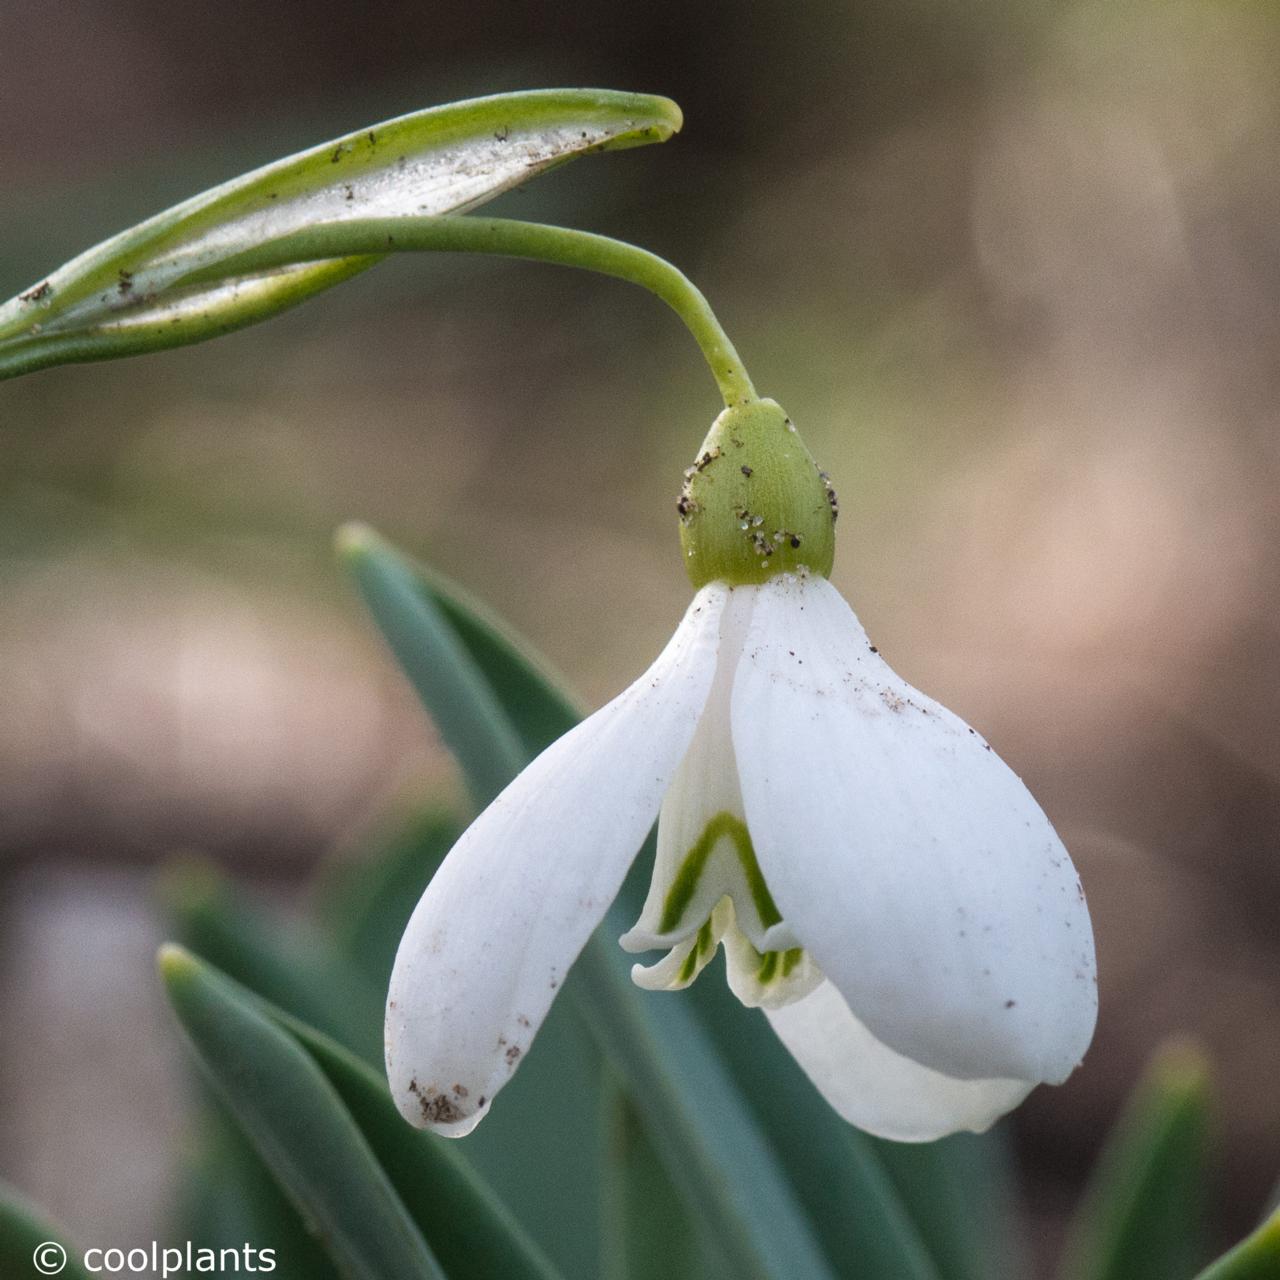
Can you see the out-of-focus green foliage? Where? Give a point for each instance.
(1257, 1258)
(363, 903)
(462, 704)
(294, 967)
(969, 1237)
(855, 1208)
(229, 1197)
(297, 1123)
(547, 1116)
(647, 1230)
(24, 1230)
(1143, 1217)
(470, 1231)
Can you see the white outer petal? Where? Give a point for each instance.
(879, 1090)
(519, 894)
(905, 855)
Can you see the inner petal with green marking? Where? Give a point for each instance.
(707, 888)
(765, 966)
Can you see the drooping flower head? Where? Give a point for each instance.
(882, 884)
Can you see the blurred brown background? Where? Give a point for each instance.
(1014, 269)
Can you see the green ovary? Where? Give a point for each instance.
(754, 503)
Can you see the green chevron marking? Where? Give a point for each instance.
(685, 883)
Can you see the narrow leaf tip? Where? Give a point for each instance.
(355, 539)
(1182, 1068)
(175, 963)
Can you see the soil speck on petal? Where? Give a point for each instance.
(437, 1107)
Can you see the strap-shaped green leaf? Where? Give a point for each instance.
(711, 1142)
(647, 1231)
(469, 1230)
(539, 1150)
(464, 707)
(127, 295)
(550, 1115)
(1254, 1258)
(364, 896)
(1142, 1217)
(856, 1210)
(298, 1124)
(24, 1230)
(467, 1227)
(229, 1198)
(288, 966)
(531, 695)
(959, 1194)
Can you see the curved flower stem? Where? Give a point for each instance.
(508, 238)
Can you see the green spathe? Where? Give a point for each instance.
(754, 503)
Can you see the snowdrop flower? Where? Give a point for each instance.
(883, 885)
